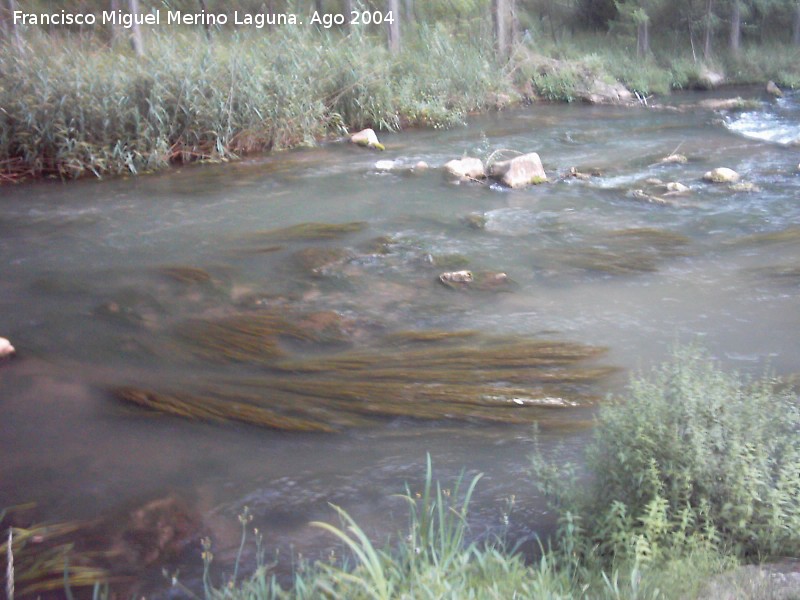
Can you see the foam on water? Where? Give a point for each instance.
(779, 123)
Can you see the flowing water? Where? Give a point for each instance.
(93, 289)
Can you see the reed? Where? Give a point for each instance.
(40, 559)
(73, 107)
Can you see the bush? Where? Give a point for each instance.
(694, 458)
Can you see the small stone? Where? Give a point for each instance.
(6, 349)
(654, 181)
(774, 90)
(385, 165)
(421, 166)
(456, 277)
(677, 187)
(679, 159)
(745, 186)
(573, 172)
(722, 175)
(366, 138)
(466, 168)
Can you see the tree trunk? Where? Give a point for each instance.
(115, 30)
(318, 7)
(514, 33)
(500, 15)
(408, 6)
(394, 26)
(708, 32)
(138, 42)
(796, 33)
(736, 27)
(643, 38)
(348, 8)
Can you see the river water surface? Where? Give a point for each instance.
(86, 289)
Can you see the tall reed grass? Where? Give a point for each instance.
(72, 106)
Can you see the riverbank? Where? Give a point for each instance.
(73, 107)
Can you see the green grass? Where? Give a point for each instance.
(434, 558)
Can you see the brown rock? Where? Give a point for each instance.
(159, 530)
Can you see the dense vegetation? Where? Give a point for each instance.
(77, 100)
(694, 471)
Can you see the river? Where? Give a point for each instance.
(95, 294)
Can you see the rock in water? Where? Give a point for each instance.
(466, 168)
(676, 159)
(519, 171)
(722, 175)
(456, 277)
(774, 90)
(385, 165)
(6, 349)
(676, 187)
(158, 531)
(367, 138)
(745, 186)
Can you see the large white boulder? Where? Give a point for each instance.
(519, 171)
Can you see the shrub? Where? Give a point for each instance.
(694, 458)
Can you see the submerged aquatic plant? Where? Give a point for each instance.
(626, 251)
(421, 375)
(308, 231)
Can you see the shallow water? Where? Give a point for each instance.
(82, 284)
